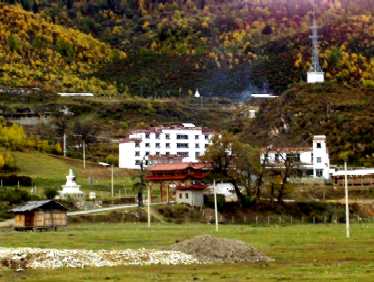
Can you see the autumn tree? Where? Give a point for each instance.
(233, 162)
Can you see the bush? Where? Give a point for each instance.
(50, 193)
(14, 180)
(209, 201)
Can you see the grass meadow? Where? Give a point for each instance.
(301, 252)
(50, 171)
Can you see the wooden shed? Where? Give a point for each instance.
(40, 215)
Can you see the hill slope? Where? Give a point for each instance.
(36, 53)
(344, 114)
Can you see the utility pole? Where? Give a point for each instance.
(84, 154)
(215, 204)
(64, 145)
(346, 202)
(149, 206)
(112, 186)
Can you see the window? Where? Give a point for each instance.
(138, 162)
(157, 135)
(157, 153)
(319, 172)
(293, 157)
(137, 145)
(277, 157)
(167, 153)
(147, 135)
(137, 154)
(206, 146)
(183, 154)
(167, 136)
(197, 154)
(157, 145)
(180, 195)
(319, 146)
(197, 145)
(167, 145)
(182, 137)
(147, 153)
(182, 145)
(196, 137)
(186, 195)
(206, 137)
(319, 160)
(147, 145)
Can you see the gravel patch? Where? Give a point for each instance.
(209, 249)
(23, 258)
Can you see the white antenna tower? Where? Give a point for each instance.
(315, 74)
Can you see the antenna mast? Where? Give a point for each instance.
(315, 74)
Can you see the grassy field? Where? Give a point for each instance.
(50, 171)
(301, 252)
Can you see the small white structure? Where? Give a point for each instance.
(197, 94)
(78, 94)
(226, 189)
(263, 96)
(192, 195)
(315, 77)
(311, 161)
(92, 196)
(185, 141)
(71, 189)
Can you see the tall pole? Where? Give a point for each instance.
(112, 181)
(215, 204)
(64, 145)
(84, 154)
(346, 201)
(149, 206)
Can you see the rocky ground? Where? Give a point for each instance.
(209, 249)
(202, 249)
(23, 258)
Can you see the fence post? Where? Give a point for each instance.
(324, 219)
(256, 219)
(291, 219)
(280, 220)
(302, 220)
(268, 220)
(314, 220)
(245, 219)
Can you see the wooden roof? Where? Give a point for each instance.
(34, 205)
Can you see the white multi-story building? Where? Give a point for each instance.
(311, 161)
(184, 140)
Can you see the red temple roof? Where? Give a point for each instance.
(193, 187)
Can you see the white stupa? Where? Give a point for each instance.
(71, 189)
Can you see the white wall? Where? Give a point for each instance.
(192, 198)
(196, 142)
(316, 158)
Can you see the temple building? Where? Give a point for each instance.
(181, 182)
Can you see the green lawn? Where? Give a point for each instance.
(50, 171)
(301, 252)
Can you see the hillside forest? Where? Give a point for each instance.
(163, 48)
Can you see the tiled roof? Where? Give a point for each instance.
(287, 149)
(193, 187)
(177, 166)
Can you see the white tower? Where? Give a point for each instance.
(71, 188)
(315, 73)
(321, 160)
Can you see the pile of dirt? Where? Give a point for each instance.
(209, 249)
